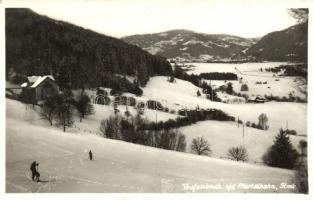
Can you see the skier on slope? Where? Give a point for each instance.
(35, 173)
(90, 155)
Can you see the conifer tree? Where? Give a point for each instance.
(281, 153)
(84, 106)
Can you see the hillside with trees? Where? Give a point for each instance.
(76, 57)
(286, 45)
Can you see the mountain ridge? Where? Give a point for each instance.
(190, 45)
(289, 44)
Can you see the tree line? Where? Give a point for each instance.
(219, 76)
(291, 70)
(133, 129)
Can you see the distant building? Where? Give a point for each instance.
(38, 88)
(257, 99)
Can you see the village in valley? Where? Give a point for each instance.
(101, 114)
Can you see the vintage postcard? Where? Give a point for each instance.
(156, 96)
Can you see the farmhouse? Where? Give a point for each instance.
(38, 88)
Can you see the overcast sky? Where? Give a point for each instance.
(124, 18)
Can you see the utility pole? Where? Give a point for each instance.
(156, 111)
(243, 131)
(238, 121)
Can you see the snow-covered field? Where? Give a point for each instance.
(182, 94)
(231, 67)
(118, 166)
(250, 74)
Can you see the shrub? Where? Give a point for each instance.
(182, 112)
(244, 87)
(248, 123)
(238, 153)
(291, 132)
(172, 111)
(229, 89)
(198, 93)
(154, 105)
(110, 128)
(253, 125)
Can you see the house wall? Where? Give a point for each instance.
(45, 89)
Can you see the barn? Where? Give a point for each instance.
(38, 88)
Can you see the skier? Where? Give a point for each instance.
(35, 173)
(90, 155)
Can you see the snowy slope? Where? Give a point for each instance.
(223, 135)
(118, 166)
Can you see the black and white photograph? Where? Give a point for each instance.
(156, 97)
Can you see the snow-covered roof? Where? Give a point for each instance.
(36, 80)
(32, 79)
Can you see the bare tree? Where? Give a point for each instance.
(200, 146)
(300, 14)
(238, 153)
(64, 111)
(49, 108)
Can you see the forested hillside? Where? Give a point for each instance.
(286, 45)
(77, 57)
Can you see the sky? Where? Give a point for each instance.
(123, 18)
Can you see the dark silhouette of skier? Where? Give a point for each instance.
(90, 155)
(35, 173)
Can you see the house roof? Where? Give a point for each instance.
(34, 81)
